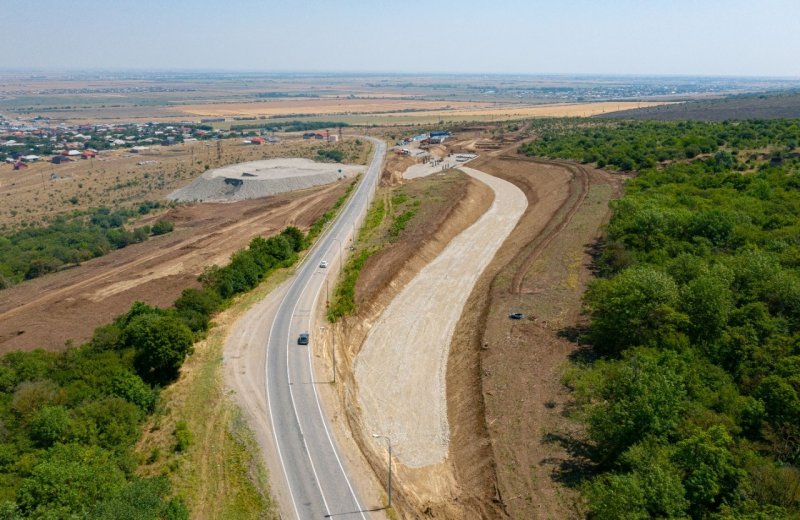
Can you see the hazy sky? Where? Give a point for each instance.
(702, 37)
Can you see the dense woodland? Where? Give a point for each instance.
(34, 251)
(69, 420)
(691, 391)
(628, 146)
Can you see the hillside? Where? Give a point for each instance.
(751, 106)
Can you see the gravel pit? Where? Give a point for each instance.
(251, 180)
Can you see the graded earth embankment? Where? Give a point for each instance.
(401, 370)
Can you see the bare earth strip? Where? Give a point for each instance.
(401, 370)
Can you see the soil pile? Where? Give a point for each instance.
(252, 180)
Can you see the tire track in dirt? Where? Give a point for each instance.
(68, 305)
(577, 196)
(188, 244)
(505, 373)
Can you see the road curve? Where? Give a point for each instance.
(400, 371)
(315, 474)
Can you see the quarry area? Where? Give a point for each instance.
(251, 180)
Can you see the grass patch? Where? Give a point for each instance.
(374, 218)
(219, 470)
(399, 223)
(319, 225)
(344, 297)
(373, 237)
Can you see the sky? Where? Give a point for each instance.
(650, 37)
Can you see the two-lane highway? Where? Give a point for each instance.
(315, 474)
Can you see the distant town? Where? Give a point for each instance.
(24, 141)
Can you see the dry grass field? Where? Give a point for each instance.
(120, 178)
(323, 106)
(391, 111)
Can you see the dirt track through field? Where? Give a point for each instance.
(68, 305)
(401, 370)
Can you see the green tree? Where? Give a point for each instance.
(710, 476)
(161, 227)
(51, 424)
(295, 237)
(161, 343)
(707, 301)
(640, 396)
(612, 497)
(130, 387)
(660, 480)
(109, 422)
(69, 482)
(632, 309)
(106, 337)
(141, 499)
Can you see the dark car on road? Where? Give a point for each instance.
(303, 339)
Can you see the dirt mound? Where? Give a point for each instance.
(252, 180)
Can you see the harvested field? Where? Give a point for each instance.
(320, 106)
(252, 180)
(392, 112)
(67, 306)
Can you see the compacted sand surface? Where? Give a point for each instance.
(401, 369)
(256, 179)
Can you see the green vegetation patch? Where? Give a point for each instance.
(376, 232)
(70, 420)
(626, 145)
(319, 224)
(34, 251)
(692, 405)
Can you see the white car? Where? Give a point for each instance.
(323, 264)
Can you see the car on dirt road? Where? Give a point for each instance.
(302, 339)
(516, 316)
(323, 264)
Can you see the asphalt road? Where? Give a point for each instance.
(315, 474)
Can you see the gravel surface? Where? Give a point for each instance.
(256, 179)
(401, 369)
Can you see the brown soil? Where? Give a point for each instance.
(505, 398)
(393, 169)
(454, 205)
(69, 305)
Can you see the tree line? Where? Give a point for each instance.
(629, 145)
(691, 398)
(69, 240)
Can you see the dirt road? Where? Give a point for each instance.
(401, 369)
